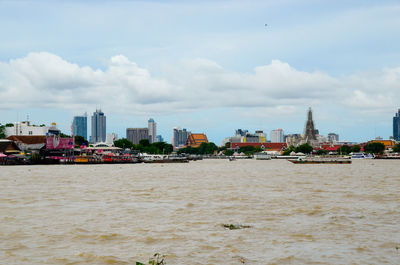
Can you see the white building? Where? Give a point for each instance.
(152, 131)
(26, 129)
(111, 138)
(277, 136)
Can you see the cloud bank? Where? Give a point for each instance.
(46, 80)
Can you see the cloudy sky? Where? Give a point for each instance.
(208, 66)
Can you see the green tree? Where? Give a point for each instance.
(2, 132)
(228, 152)
(9, 125)
(396, 148)
(211, 148)
(79, 140)
(322, 152)
(344, 150)
(144, 142)
(304, 148)
(62, 135)
(123, 143)
(355, 148)
(289, 150)
(375, 148)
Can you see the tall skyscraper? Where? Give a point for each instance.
(396, 126)
(179, 137)
(136, 134)
(98, 127)
(152, 131)
(79, 126)
(277, 136)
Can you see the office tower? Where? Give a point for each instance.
(396, 126)
(136, 134)
(98, 127)
(79, 126)
(277, 136)
(152, 131)
(179, 137)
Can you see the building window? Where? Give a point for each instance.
(30, 132)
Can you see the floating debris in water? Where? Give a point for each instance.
(235, 226)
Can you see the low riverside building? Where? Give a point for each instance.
(389, 144)
(29, 143)
(8, 147)
(196, 139)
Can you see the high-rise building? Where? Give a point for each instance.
(179, 137)
(277, 136)
(136, 134)
(79, 126)
(152, 131)
(396, 126)
(98, 127)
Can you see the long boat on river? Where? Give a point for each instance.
(316, 160)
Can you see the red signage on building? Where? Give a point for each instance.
(56, 142)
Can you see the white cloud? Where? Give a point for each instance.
(46, 80)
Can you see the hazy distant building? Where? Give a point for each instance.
(152, 131)
(293, 139)
(396, 126)
(179, 137)
(98, 127)
(79, 126)
(277, 136)
(136, 134)
(333, 137)
(160, 139)
(241, 132)
(111, 138)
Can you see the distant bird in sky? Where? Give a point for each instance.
(266, 25)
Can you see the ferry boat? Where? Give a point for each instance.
(362, 156)
(262, 156)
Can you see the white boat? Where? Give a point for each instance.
(362, 156)
(262, 156)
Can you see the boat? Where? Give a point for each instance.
(320, 161)
(261, 156)
(163, 159)
(362, 156)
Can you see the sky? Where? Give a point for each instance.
(208, 66)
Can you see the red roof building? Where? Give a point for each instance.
(196, 139)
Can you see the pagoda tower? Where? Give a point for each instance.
(309, 131)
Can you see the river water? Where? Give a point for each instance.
(120, 214)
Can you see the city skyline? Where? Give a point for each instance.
(208, 66)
